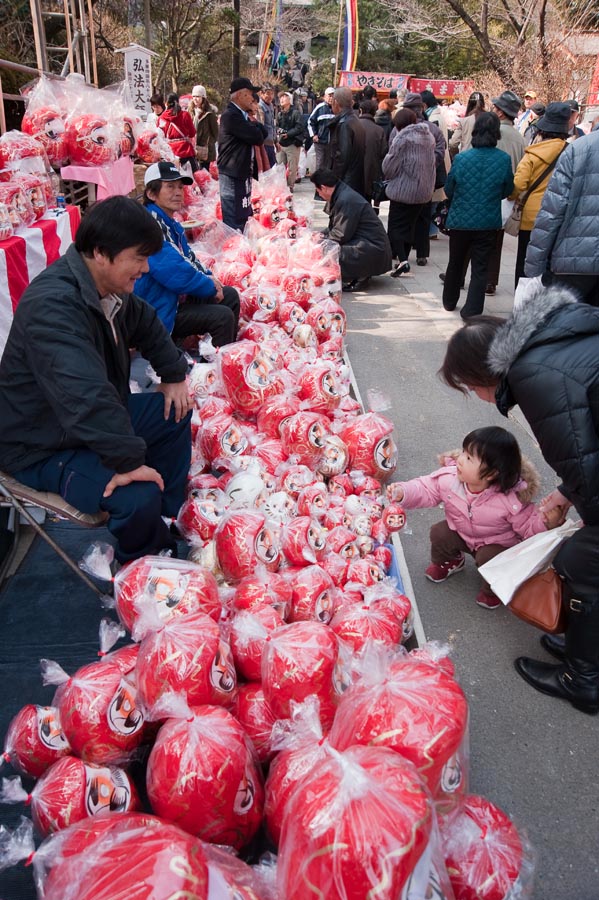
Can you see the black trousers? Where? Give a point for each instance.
(200, 316)
(523, 241)
(422, 240)
(401, 227)
(495, 259)
(479, 244)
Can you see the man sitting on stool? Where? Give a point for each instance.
(188, 299)
(364, 246)
(69, 422)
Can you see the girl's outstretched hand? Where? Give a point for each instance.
(394, 493)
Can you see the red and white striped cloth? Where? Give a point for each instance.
(26, 254)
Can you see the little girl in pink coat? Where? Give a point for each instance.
(486, 489)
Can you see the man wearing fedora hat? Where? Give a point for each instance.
(238, 134)
(506, 107)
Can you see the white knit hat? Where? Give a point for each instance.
(198, 91)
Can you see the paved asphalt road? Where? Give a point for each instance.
(534, 756)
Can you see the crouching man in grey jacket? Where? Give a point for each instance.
(564, 244)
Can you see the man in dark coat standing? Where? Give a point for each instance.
(346, 148)
(364, 246)
(375, 146)
(237, 136)
(70, 424)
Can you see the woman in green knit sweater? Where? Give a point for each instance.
(478, 181)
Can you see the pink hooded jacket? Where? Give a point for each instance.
(490, 517)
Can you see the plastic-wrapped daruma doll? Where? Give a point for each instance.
(486, 857)
(90, 141)
(412, 707)
(244, 540)
(131, 855)
(298, 660)
(35, 740)
(369, 438)
(355, 827)
(171, 586)
(47, 125)
(71, 790)
(202, 775)
(186, 656)
(98, 707)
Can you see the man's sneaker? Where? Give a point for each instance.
(487, 599)
(441, 571)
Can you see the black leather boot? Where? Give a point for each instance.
(577, 678)
(554, 644)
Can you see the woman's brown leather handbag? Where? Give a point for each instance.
(540, 602)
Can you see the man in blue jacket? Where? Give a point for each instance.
(188, 299)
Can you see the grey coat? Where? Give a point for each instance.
(565, 237)
(409, 165)
(364, 246)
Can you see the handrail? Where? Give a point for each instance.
(27, 70)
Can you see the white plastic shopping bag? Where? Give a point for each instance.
(506, 210)
(527, 288)
(507, 571)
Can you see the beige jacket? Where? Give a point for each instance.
(461, 139)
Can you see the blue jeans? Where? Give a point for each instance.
(235, 194)
(136, 509)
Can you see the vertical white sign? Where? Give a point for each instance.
(138, 73)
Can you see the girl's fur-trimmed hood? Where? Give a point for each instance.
(526, 489)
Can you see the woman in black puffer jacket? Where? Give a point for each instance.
(544, 359)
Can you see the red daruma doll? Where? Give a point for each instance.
(35, 740)
(71, 790)
(485, 856)
(369, 439)
(98, 707)
(186, 656)
(126, 856)
(410, 706)
(203, 776)
(354, 827)
(244, 540)
(171, 587)
(298, 660)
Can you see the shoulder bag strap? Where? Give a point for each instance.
(524, 197)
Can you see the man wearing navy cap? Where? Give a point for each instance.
(238, 134)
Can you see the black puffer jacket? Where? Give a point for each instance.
(365, 248)
(547, 356)
(64, 382)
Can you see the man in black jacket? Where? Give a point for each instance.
(69, 422)
(364, 246)
(346, 148)
(238, 134)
